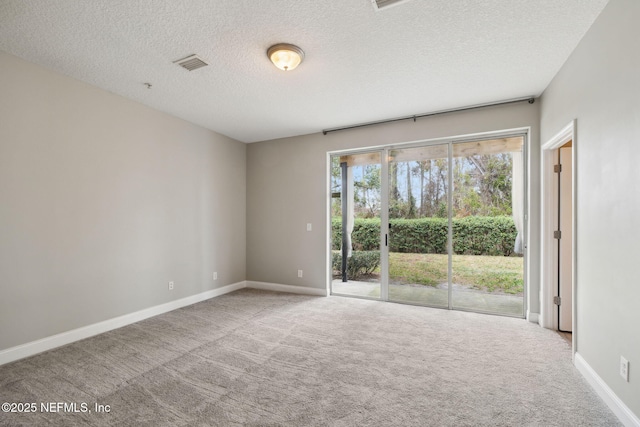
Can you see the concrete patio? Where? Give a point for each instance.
(462, 297)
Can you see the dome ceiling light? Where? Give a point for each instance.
(285, 56)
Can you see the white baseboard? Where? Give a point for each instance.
(622, 411)
(48, 343)
(276, 287)
(533, 317)
(32, 348)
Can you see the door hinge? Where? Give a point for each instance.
(557, 168)
(557, 300)
(557, 234)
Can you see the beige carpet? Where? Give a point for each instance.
(266, 359)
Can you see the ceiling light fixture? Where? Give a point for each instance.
(383, 4)
(285, 56)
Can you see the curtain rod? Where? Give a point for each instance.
(529, 99)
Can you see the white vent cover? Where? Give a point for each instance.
(383, 4)
(191, 63)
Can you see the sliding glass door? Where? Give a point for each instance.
(438, 224)
(356, 207)
(419, 225)
(488, 226)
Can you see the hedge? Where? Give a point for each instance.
(473, 235)
(360, 263)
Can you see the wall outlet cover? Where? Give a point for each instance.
(624, 368)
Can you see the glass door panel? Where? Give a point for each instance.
(355, 224)
(419, 225)
(487, 226)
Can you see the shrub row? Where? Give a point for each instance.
(359, 264)
(472, 235)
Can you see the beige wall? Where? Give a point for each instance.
(286, 188)
(103, 201)
(599, 85)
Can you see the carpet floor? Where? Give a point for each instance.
(256, 358)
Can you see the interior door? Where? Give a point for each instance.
(565, 261)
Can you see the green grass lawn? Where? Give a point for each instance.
(496, 274)
(486, 273)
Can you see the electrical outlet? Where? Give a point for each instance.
(170, 286)
(299, 273)
(215, 275)
(308, 226)
(624, 369)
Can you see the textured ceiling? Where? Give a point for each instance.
(361, 65)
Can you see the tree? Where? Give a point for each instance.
(411, 200)
(368, 203)
(482, 185)
(395, 209)
(419, 189)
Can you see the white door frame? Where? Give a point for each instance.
(549, 212)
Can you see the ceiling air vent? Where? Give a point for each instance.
(383, 4)
(191, 63)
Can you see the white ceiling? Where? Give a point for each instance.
(361, 65)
